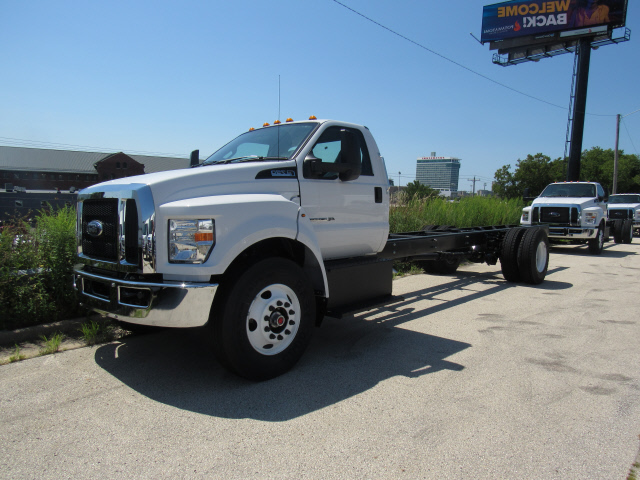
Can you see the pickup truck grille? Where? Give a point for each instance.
(555, 215)
(116, 242)
(104, 246)
(618, 214)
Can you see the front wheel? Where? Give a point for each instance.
(597, 244)
(265, 320)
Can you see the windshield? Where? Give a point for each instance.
(569, 190)
(278, 142)
(624, 199)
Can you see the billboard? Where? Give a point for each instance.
(518, 18)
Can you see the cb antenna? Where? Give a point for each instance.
(278, 97)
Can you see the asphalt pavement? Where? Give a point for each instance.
(463, 377)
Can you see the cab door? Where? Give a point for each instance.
(350, 216)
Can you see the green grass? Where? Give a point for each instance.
(97, 332)
(52, 344)
(467, 212)
(17, 356)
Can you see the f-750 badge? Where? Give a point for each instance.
(283, 173)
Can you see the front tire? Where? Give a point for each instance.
(597, 244)
(265, 320)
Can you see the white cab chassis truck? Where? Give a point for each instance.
(575, 213)
(280, 227)
(625, 208)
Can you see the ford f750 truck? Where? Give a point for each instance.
(279, 227)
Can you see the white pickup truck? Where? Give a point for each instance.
(282, 225)
(576, 212)
(625, 207)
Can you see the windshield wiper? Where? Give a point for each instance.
(246, 158)
(260, 159)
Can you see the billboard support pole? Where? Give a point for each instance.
(579, 108)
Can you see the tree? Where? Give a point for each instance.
(537, 171)
(504, 184)
(596, 165)
(416, 190)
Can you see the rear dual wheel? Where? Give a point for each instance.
(443, 266)
(525, 255)
(627, 231)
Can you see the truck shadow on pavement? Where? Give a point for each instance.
(346, 357)
(582, 250)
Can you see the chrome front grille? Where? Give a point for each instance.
(116, 229)
(103, 246)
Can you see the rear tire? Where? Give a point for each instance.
(617, 231)
(533, 256)
(509, 254)
(265, 321)
(443, 266)
(627, 231)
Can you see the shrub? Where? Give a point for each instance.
(36, 264)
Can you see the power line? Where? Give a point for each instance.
(628, 134)
(459, 64)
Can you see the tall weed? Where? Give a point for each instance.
(415, 214)
(36, 263)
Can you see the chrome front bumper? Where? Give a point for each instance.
(165, 304)
(573, 232)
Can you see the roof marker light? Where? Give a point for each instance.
(265, 124)
(289, 119)
(277, 122)
(312, 117)
(251, 129)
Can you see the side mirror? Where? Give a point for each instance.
(195, 158)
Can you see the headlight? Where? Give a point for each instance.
(191, 241)
(590, 218)
(525, 216)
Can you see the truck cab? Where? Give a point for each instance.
(576, 212)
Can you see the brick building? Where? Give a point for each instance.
(34, 178)
(42, 169)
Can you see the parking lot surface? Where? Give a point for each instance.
(461, 377)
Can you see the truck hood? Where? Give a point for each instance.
(635, 206)
(275, 177)
(582, 201)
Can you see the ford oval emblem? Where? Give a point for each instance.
(554, 214)
(95, 228)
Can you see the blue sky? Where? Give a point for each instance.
(167, 77)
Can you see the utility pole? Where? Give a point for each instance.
(615, 158)
(473, 192)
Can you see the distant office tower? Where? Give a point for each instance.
(440, 173)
